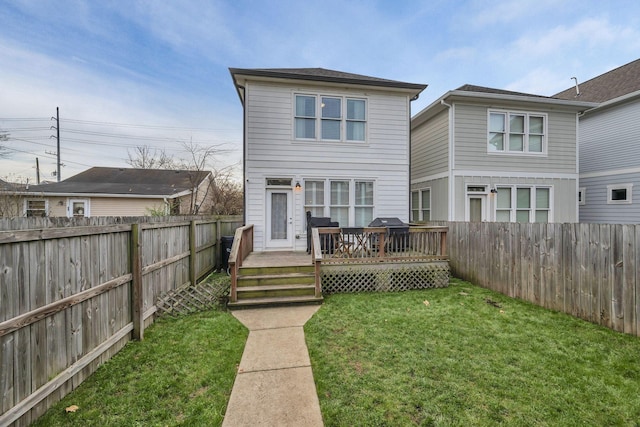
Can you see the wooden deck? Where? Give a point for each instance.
(277, 259)
(342, 260)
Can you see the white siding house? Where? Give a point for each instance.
(609, 149)
(482, 154)
(332, 143)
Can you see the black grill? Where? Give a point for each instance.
(397, 233)
(326, 240)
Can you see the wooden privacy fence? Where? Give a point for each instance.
(72, 296)
(586, 270)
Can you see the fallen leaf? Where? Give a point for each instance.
(502, 311)
(72, 408)
(427, 303)
(464, 294)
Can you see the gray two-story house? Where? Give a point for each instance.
(609, 149)
(483, 154)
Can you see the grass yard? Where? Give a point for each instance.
(181, 374)
(467, 356)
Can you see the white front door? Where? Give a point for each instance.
(279, 217)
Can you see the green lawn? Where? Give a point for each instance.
(181, 374)
(453, 357)
(435, 357)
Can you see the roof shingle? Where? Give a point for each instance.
(610, 85)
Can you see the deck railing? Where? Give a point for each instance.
(378, 244)
(242, 246)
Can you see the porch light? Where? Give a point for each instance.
(298, 186)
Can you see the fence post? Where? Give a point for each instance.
(218, 250)
(136, 282)
(193, 274)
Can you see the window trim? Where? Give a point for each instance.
(86, 211)
(352, 197)
(532, 202)
(629, 189)
(419, 208)
(343, 118)
(26, 207)
(525, 149)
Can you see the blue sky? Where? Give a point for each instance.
(131, 73)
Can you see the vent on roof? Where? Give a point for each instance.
(577, 87)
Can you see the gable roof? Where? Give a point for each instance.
(320, 75)
(492, 97)
(605, 87)
(126, 181)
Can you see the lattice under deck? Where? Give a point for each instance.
(384, 277)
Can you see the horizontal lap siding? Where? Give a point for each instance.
(106, 206)
(596, 208)
(609, 140)
(471, 144)
(272, 150)
(439, 197)
(429, 147)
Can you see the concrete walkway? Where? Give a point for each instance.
(274, 385)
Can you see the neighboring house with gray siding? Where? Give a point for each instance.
(332, 143)
(483, 154)
(609, 141)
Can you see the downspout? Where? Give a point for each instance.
(451, 162)
(410, 158)
(244, 153)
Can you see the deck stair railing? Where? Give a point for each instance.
(242, 246)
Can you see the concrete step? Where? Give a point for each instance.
(275, 301)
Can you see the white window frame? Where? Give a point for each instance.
(420, 208)
(627, 187)
(525, 149)
(26, 206)
(363, 206)
(308, 207)
(582, 196)
(86, 213)
(318, 96)
(352, 197)
(532, 202)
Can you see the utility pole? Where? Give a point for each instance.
(58, 139)
(37, 171)
(57, 128)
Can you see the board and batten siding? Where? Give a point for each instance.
(471, 152)
(596, 209)
(272, 151)
(430, 147)
(609, 138)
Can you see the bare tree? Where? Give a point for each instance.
(227, 197)
(145, 157)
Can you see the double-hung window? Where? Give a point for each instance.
(421, 205)
(339, 207)
(523, 204)
(314, 197)
(514, 132)
(330, 118)
(363, 203)
(305, 117)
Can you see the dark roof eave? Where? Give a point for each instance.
(454, 95)
(331, 79)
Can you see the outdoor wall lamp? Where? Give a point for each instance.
(494, 191)
(298, 186)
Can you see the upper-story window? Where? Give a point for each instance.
(324, 118)
(515, 132)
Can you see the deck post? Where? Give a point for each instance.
(443, 243)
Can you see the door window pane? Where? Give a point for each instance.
(278, 216)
